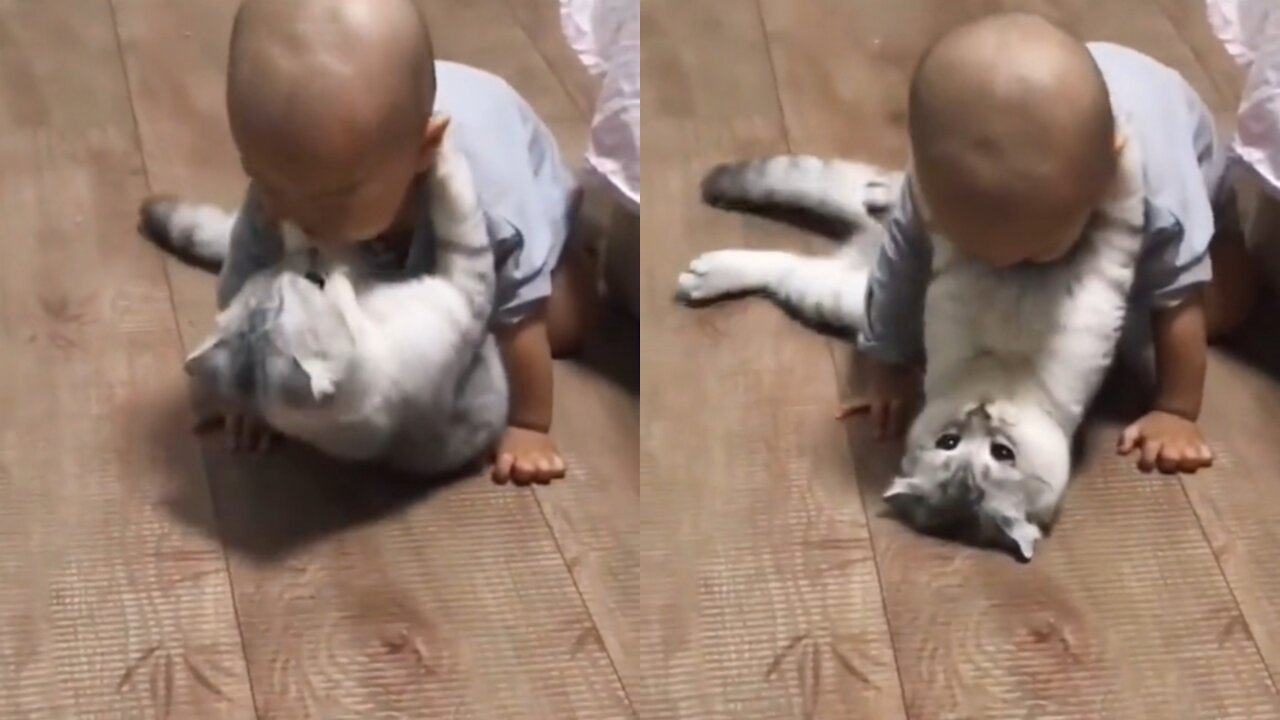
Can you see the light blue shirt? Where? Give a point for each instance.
(1183, 162)
(524, 186)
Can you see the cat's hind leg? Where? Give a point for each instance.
(840, 190)
(823, 290)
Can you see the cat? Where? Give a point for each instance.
(401, 371)
(1014, 355)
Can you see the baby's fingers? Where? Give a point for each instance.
(1196, 458)
(502, 468)
(853, 407)
(1172, 459)
(1150, 454)
(897, 419)
(1129, 439)
(879, 419)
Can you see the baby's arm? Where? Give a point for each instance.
(1167, 437)
(526, 452)
(1181, 354)
(893, 340)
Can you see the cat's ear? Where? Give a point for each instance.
(904, 485)
(1021, 534)
(309, 381)
(432, 140)
(906, 498)
(211, 359)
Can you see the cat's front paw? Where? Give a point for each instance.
(719, 274)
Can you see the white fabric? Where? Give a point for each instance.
(1250, 29)
(606, 36)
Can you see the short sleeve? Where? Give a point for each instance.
(1180, 213)
(523, 278)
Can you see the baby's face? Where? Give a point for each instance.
(339, 207)
(1005, 238)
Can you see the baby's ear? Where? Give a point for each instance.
(432, 139)
(1120, 141)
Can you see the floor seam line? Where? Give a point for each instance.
(1222, 573)
(875, 553)
(177, 328)
(577, 588)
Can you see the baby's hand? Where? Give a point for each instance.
(244, 433)
(892, 392)
(1168, 442)
(527, 456)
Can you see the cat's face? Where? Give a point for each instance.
(985, 474)
(281, 344)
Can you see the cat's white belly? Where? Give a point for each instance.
(1043, 336)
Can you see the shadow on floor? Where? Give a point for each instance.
(270, 505)
(613, 351)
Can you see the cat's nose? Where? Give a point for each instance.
(973, 491)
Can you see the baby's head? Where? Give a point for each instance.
(1013, 140)
(330, 103)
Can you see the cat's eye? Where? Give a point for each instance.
(1002, 452)
(950, 441)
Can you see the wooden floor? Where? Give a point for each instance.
(719, 551)
(144, 577)
(774, 586)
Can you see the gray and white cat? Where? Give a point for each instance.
(1014, 355)
(367, 369)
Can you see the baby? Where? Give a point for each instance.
(337, 108)
(1014, 137)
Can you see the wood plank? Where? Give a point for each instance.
(760, 594)
(1234, 499)
(359, 594)
(540, 20)
(109, 605)
(1124, 612)
(594, 515)
(483, 33)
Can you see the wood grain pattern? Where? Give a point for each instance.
(1234, 499)
(1125, 611)
(108, 608)
(991, 640)
(760, 592)
(594, 515)
(365, 595)
(541, 22)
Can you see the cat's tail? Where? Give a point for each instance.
(195, 233)
(851, 193)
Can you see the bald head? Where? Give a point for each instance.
(328, 81)
(1012, 136)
